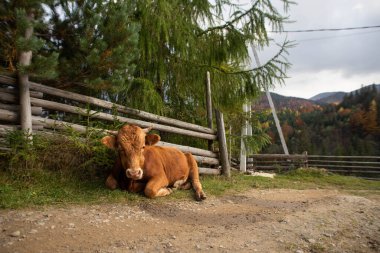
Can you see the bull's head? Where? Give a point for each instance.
(130, 142)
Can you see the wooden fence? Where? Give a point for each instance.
(362, 166)
(41, 100)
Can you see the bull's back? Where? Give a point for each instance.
(170, 161)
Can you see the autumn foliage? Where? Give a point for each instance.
(351, 127)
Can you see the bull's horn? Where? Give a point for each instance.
(146, 130)
(112, 132)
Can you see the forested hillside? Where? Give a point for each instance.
(349, 128)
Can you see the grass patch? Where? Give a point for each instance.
(47, 187)
(52, 187)
(295, 179)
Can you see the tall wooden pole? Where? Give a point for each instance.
(277, 122)
(243, 152)
(209, 106)
(24, 60)
(223, 154)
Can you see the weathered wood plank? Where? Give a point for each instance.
(206, 160)
(8, 116)
(355, 171)
(105, 116)
(110, 105)
(343, 157)
(279, 156)
(186, 149)
(8, 97)
(208, 171)
(4, 129)
(16, 108)
(61, 125)
(34, 94)
(344, 166)
(343, 162)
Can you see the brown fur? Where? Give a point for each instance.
(162, 167)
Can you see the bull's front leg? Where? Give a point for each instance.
(157, 187)
(136, 186)
(111, 182)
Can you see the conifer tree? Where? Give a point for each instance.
(19, 21)
(180, 40)
(97, 45)
(91, 44)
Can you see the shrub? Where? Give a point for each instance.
(71, 155)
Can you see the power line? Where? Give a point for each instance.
(338, 36)
(328, 29)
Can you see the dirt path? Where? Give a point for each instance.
(256, 221)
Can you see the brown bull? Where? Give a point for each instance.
(158, 169)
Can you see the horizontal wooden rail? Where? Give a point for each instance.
(356, 165)
(109, 105)
(356, 171)
(208, 171)
(343, 166)
(5, 129)
(186, 149)
(312, 161)
(14, 92)
(16, 108)
(343, 157)
(13, 98)
(61, 125)
(274, 156)
(105, 116)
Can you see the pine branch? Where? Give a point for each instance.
(231, 22)
(266, 66)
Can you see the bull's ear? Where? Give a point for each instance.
(109, 141)
(151, 139)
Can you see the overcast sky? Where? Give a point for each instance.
(331, 61)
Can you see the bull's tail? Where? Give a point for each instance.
(194, 177)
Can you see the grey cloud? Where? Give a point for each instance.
(351, 54)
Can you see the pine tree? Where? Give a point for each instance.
(97, 45)
(20, 20)
(21, 38)
(180, 41)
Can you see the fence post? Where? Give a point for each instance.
(306, 162)
(244, 132)
(209, 106)
(222, 144)
(24, 60)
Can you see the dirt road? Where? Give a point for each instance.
(255, 221)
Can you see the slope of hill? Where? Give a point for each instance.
(283, 103)
(301, 104)
(323, 95)
(334, 98)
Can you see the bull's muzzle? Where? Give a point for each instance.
(134, 174)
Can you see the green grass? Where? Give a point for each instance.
(46, 188)
(52, 187)
(296, 179)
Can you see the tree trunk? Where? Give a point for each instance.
(24, 60)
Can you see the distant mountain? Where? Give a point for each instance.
(301, 104)
(323, 95)
(283, 103)
(334, 97)
(329, 97)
